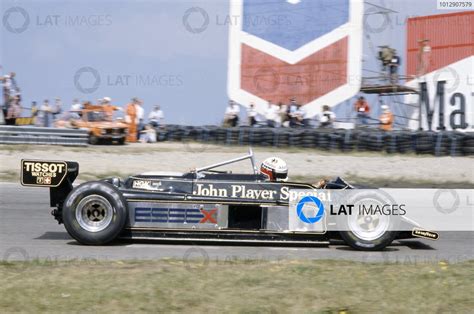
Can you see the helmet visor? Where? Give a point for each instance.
(281, 175)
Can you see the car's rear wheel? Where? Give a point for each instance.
(94, 213)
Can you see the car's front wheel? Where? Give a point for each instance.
(94, 213)
(362, 237)
(369, 230)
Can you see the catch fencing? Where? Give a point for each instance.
(402, 142)
(43, 136)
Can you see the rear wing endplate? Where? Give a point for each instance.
(56, 175)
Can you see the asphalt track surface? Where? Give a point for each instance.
(29, 232)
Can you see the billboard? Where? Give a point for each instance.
(440, 54)
(310, 50)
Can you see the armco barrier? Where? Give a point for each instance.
(422, 142)
(45, 136)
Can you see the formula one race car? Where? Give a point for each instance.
(203, 205)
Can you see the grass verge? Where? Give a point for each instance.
(236, 286)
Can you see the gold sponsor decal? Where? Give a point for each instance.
(425, 234)
(42, 173)
(242, 191)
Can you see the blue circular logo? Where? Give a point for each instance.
(310, 199)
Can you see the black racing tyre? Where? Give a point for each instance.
(364, 245)
(94, 213)
(368, 232)
(93, 140)
(468, 150)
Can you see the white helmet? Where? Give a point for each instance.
(275, 169)
(107, 99)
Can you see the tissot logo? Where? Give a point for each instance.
(50, 173)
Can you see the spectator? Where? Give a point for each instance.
(18, 94)
(298, 116)
(386, 119)
(76, 105)
(2, 118)
(393, 67)
(109, 108)
(11, 89)
(34, 112)
(14, 111)
(6, 93)
(57, 108)
(294, 113)
(327, 117)
(148, 134)
(14, 90)
(304, 116)
(283, 113)
(140, 116)
(271, 115)
(252, 115)
(231, 116)
(423, 57)
(73, 117)
(132, 120)
(363, 110)
(44, 115)
(156, 117)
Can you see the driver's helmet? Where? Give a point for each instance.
(275, 169)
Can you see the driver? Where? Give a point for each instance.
(274, 169)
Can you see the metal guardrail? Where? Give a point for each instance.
(43, 136)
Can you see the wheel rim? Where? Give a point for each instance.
(94, 213)
(369, 227)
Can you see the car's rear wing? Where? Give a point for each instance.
(56, 175)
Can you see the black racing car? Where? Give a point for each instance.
(203, 205)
